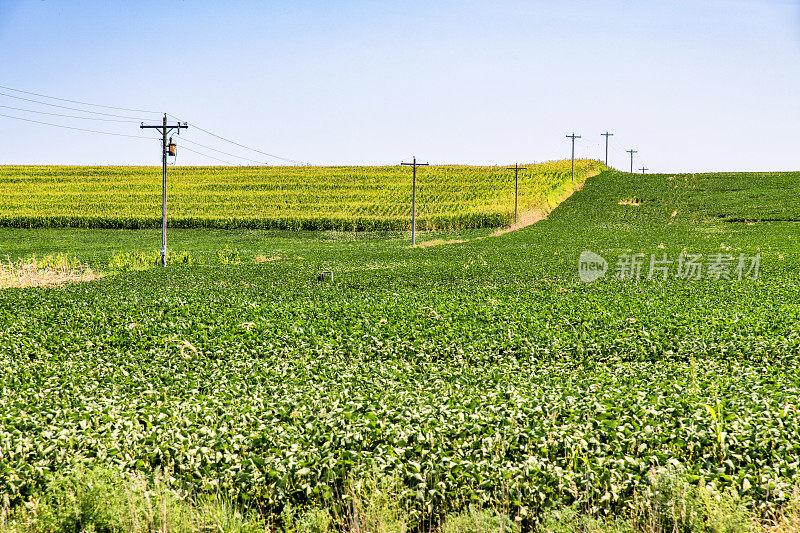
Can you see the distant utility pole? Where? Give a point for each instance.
(644, 169)
(516, 168)
(165, 129)
(632, 152)
(607, 135)
(414, 165)
(573, 137)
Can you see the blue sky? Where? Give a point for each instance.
(701, 85)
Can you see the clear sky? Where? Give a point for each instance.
(693, 85)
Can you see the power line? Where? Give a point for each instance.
(296, 162)
(111, 133)
(125, 117)
(221, 152)
(78, 102)
(78, 129)
(208, 156)
(63, 115)
(133, 119)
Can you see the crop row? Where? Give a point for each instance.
(355, 223)
(279, 197)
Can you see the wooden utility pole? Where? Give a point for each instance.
(573, 137)
(414, 165)
(516, 168)
(644, 169)
(632, 152)
(607, 135)
(164, 129)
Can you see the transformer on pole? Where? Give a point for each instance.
(166, 149)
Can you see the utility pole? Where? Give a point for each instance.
(414, 165)
(644, 169)
(632, 152)
(164, 129)
(516, 168)
(573, 137)
(607, 135)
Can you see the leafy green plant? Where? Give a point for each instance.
(481, 373)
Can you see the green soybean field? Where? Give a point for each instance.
(479, 373)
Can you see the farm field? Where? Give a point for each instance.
(294, 198)
(481, 373)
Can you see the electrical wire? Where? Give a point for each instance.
(296, 162)
(221, 152)
(67, 116)
(133, 119)
(209, 156)
(79, 102)
(117, 116)
(74, 128)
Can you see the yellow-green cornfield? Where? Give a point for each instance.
(340, 198)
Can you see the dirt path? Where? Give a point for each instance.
(527, 218)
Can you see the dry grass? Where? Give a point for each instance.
(438, 242)
(789, 520)
(629, 201)
(261, 258)
(52, 271)
(786, 525)
(526, 219)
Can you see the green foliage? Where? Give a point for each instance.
(80, 502)
(570, 519)
(672, 504)
(229, 256)
(58, 261)
(479, 374)
(104, 500)
(311, 520)
(479, 521)
(124, 261)
(371, 503)
(130, 261)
